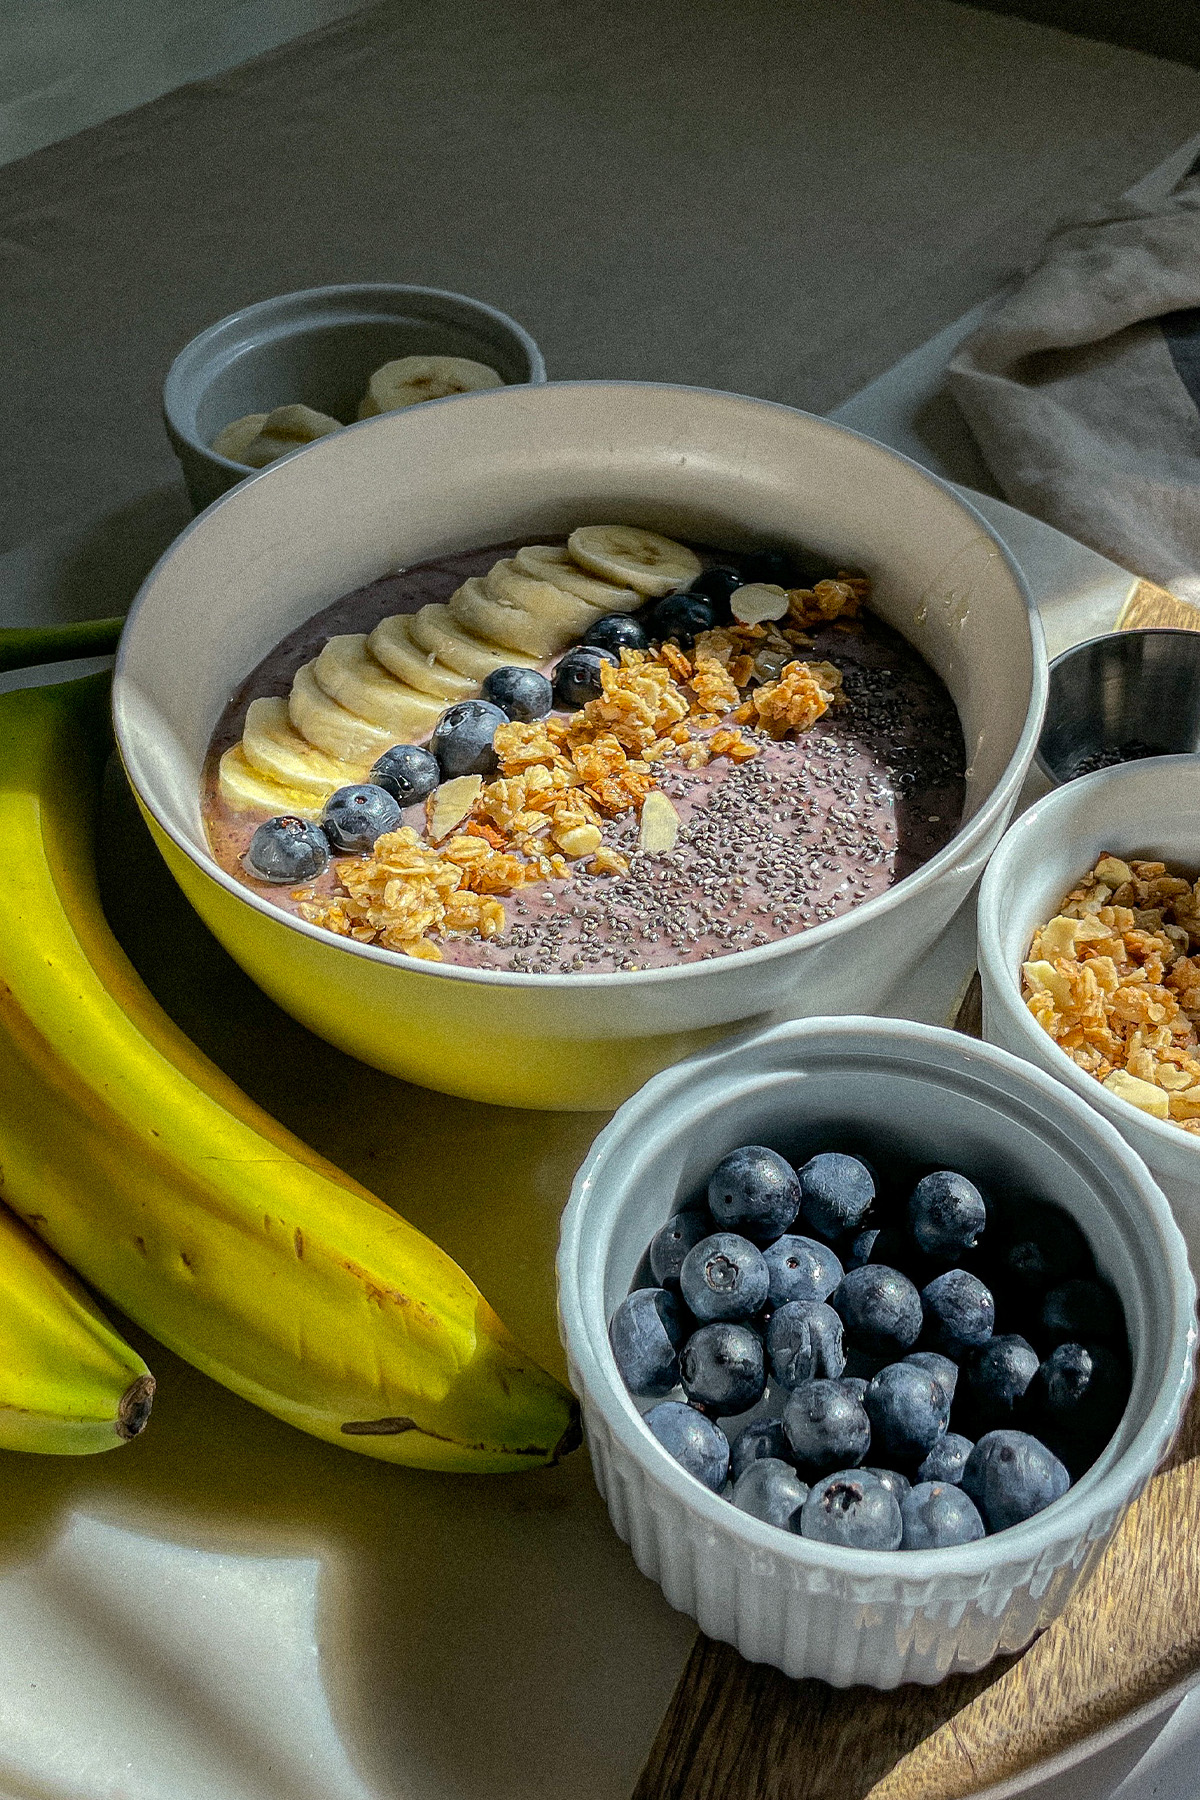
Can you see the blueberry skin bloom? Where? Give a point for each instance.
(577, 676)
(617, 632)
(763, 1438)
(355, 816)
(852, 1508)
(804, 1342)
(520, 693)
(944, 1372)
(936, 1515)
(723, 1277)
(999, 1375)
(721, 1366)
(695, 1442)
(407, 772)
(1011, 1476)
(836, 1192)
(799, 1268)
(826, 1427)
(462, 738)
(645, 1333)
(772, 1491)
(880, 1308)
(946, 1214)
(287, 849)
(908, 1411)
(671, 1243)
(959, 1312)
(755, 1191)
(947, 1460)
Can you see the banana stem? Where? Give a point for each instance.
(24, 646)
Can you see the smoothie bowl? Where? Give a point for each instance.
(338, 603)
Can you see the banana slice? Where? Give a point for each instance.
(274, 747)
(508, 626)
(286, 429)
(237, 437)
(435, 631)
(412, 379)
(329, 727)
(552, 562)
(391, 643)
(247, 789)
(635, 558)
(349, 674)
(569, 616)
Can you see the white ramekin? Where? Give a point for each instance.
(912, 1090)
(1146, 809)
(523, 462)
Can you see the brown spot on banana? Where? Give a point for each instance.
(298, 1240)
(134, 1411)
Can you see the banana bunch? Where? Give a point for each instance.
(363, 694)
(176, 1197)
(69, 1386)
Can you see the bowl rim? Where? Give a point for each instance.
(334, 291)
(1102, 637)
(964, 840)
(1032, 1539)
(1004, 980)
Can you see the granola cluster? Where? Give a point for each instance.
(560, 779)
(1114, 978)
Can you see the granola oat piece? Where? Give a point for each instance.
(795, 702)
(840, 599)
(715, 690)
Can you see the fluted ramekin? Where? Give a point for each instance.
(904, 1089)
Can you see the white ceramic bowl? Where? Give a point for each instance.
(1150, 809)
(912, 1090)
(522, 462)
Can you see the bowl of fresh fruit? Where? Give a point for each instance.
(877, 1331)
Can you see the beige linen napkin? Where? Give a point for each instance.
(1082, 386)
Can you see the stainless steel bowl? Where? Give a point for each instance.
(1121, 697)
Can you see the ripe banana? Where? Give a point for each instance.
(435, 630)
(234, 439)
(349, 674)
(261, 438)
(169, 1191)
(554, 563)
(392, 644)
(331, 727)
(639, 559)
(69, 1386)
(246, 789)
(274, 748)
(411, 379)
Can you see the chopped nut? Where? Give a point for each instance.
(795, 702)
(659, 826)
(449, 804)
(1139, 1093)
(758, 601)
(607, 861)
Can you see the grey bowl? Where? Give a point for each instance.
(1118, 698)
(319, 347)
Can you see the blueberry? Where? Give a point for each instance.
(1043, 1246)
(355, 816)
(577, 675)
(671, 1243)
(879, 1245)
(946, 1214)
(852, 1508)
(772, 565)
(1082, 1391)
(772, 1491)
(520, 693)
(1010, 1476)
(999, 1375)
(763, 1438)
(908, 1411)
(1082, 1309)
(681, 618)
(892, 1480)
(721, 1366)
(880, 1308)
(462, 738)
(407, 772)
(287, 850)
(804, 1342)
(936, 1515)
(944, 1372)
(826, 1427)
(755, 1191)
(798, 1268)
(695, 1442)
(835, 1192)
(617, 632)
(724, 1277)
(645, 1333)
(947, 1460)
(959, 1312)
(716, 585)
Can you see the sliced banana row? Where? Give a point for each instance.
(363, 694)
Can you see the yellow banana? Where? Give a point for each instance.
(156, 1178)
(68, 1384)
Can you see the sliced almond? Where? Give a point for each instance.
(757, 602)
(659, 825)
(1058, 938)
(449, 804)
(1045, 976)
(1142, 1094)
